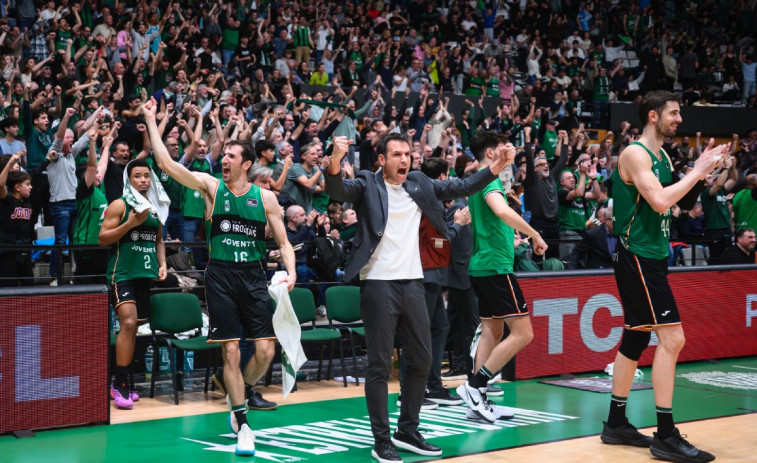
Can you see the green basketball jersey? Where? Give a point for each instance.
(135, 254)
(715, 208)
(493, 239)
(549, 144)
(236, 229)
(90, 213)
(572, 216)
(744, 210)
(193, 204)
(641, 229)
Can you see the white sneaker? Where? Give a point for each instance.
(476, 400)
(500, 413)
(245, 441)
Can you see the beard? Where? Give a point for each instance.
(663, 131)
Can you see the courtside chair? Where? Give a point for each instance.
(343, 306)
(173, 313)
(304, 307)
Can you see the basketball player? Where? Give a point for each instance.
(643, 194)
(236, 214)
(500, 299)
(138, 257)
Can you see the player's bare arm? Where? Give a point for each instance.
(498, 204)
(276, 224)
(200, 181)
(636, 167)
(111, 231)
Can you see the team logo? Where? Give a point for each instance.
(197, 194)
(163, 177)
(734, 380)
(225, 226)
(252, 202)
(226, 206)
(135, 235)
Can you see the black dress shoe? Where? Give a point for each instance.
(415, 443)
(385, 452)
(455, 373)
(255, 401)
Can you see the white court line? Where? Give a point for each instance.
(745, 368)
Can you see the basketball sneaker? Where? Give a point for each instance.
(499, 412)
(625, 434)
(245, 441)
(121, 397)
(676, 448)
(476, 400)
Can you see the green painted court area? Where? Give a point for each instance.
(338, 430)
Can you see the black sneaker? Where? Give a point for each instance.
(625, 434)
(426, 405)
(676, 448)
(415, 443)
(385, 452)
(218, 381)
(255, 400)
(443, 397)
(455, 373)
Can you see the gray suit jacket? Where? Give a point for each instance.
(461, 240)
(368, 194)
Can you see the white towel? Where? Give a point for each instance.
(287, 329)
(474, 345)
(157, 200)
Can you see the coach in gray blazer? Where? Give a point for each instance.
(386, 256)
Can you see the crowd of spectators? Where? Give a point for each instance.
(289, 76)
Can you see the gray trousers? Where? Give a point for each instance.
(392, 308)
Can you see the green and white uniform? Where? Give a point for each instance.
(641, 229)
(236, 228)
(135, 255)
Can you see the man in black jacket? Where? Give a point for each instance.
(386, 256)
(742, 252)
(596, 248)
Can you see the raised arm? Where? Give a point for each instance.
(195, 180)
(634, 164)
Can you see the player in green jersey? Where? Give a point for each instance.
(500, 299)
(137, 257)
(236, 214)
(643, 193)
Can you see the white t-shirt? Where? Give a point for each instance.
(397, 256)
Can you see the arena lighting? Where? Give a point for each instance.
(53, 357)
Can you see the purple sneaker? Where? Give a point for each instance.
(121, 401)
(134, 396)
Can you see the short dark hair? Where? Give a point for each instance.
(263, 145)
(135, 163)
(16, 177)
(434, 167)
(655, 101)
(740, 232)
(482, 141)
(248, 154)
(381, 147)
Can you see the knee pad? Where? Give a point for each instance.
(633, 343)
